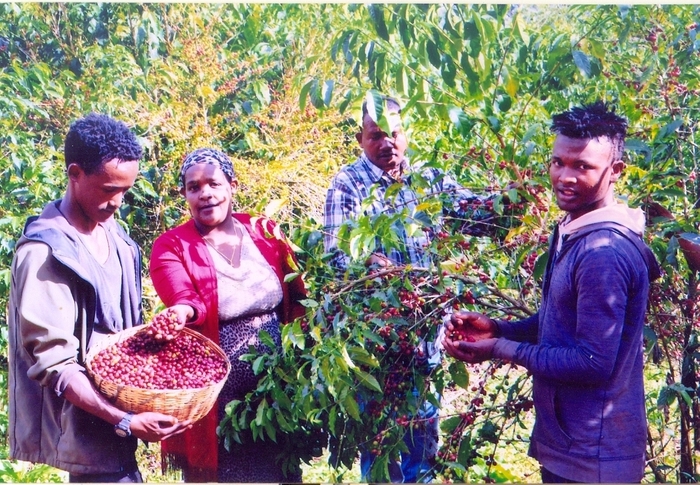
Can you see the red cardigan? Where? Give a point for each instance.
(183, 273)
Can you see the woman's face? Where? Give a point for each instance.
(208, 194)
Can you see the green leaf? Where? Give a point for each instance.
(650, 338)
(476, 18)
(271, 431)
(393, 190)
(504, 103)
(402, 83)
(346, 357)
(511, 83)
(666, 398)
(460, 120)
(540, 265)
(465, 451)
(668, 129)
(448, 425)
(262, 92)
(358, 354)
(260, 412)
(296, 335)
(282, 401)
(258, 364)
(290, 277)
(468, 69)
(358, 245)
(266, 339)
(315, 95)
(534, 129)
(597, 48)
(304, 94)
(422, 219)
(431, 49)
(367, 380)
(520, 29)
(489, 431)
(470, 30)
(684, 392)
(376, 13)
(459, 374)
(448, 71)
(308, 303)
(639, 146)
(351, 407)
(406, 36)
(379, 68)
(377, 110)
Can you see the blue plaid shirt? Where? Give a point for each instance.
(359, 189)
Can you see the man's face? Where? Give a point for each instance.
(384, 150)
(100, 194)
(583, 172)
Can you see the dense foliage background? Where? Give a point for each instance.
(278, 87)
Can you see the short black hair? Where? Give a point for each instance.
(391, 103)
(593, 120)
(98, 138)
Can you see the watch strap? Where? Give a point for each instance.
(123, 428)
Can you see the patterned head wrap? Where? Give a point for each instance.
(208, 155)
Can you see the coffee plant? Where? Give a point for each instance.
(357, 368)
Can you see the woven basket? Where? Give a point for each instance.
(184, 404)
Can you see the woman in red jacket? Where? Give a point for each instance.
(223, 273)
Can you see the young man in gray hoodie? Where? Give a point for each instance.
(584, 346)
(76, 278)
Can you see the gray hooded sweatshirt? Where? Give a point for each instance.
(52, 308)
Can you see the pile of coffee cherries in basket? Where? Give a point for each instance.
(159, 357)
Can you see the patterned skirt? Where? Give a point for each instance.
(252, 461)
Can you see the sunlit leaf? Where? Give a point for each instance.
(367, 380)
(459, 374)
(377, 111)
(521, 29)
(460, 120)
(304, 94)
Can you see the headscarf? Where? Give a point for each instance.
(208, 155)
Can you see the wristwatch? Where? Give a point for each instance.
(123, 428)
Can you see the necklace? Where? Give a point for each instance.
(235, 257)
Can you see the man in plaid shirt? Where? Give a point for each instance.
(361, 189)
(368, 187)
